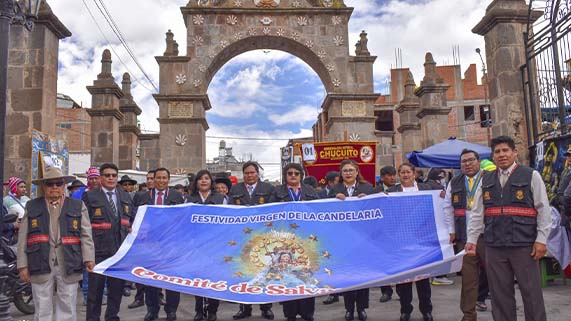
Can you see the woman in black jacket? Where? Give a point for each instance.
(352, 184)
(203, 193)
(408, 184)
(294, 191)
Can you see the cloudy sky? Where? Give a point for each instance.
(269, 95)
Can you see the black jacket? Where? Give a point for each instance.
(213, 198)
(360, 188)
(421, 187)
(239, 195)
(148, 198)
(281, 194)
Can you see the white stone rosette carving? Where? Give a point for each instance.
(198, 20)
(296, 4)
(354, 137)
(267, 31)
(330, 67)
(197, 83)
(281, 32)
(197, 41)
(180, 79)
(232, 20)
(322, 54)
(302, 21)
(212, 54)
(336, 82)
(266, 21)
(338, 40)
(224, 43)
(181, 139)
(238, 36)
(238, 3)
(337, 20)
(252, 31)
(295, 36)
(309, 44)
(180, 171)
(202, 68)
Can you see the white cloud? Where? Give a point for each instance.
(299, 115)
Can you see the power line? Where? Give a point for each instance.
(119, 36)
(113, 49)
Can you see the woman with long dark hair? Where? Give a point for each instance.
(350, 184)
(409, 184)
(203, 193)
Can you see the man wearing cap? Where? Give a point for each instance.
(74, 186)
(55, 246)
(128, 185)
(331, 178)
(252, 192)
(110, 211)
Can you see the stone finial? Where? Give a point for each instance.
(362, 49)
(126, 84)
(358, 47)
(170, 51)
(105, 65)
(430, 75)
(176, 48)
(409, 86)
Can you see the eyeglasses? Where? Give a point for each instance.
(52, 184)
(110, 175)
(469, 160)
(348, 171)
(293, 173)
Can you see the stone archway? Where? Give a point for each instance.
(315, 31)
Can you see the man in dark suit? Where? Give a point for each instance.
(110, 212)
(331, 178)
(251, 192)
(160, 195)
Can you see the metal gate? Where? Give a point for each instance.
(546, 75)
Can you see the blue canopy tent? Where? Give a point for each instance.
(445, 154)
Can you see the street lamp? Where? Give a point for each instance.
(488, 122)
(25, 13)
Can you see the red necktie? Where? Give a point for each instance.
(160, 199)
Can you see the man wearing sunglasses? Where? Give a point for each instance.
(252, 192)
(55, 246)
(111, 212)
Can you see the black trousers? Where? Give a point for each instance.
(140, 295)
(304, 307)
(387, 289)
(360, 298)
(95, 297)
(153, 303)
(424, 296)
(199, 305)
(483, 287)
(248, 307)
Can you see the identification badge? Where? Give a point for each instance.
(487, 196)
(97, 212)
(34, 223)
(75, 224)
(237, 202)
(126, 208)
(455, 199)
(262, 200)
(519, 194)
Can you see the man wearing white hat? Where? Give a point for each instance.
(55, 246)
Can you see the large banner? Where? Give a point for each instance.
(548, 158)
(283, 251)
(47, 152)
(320, 158)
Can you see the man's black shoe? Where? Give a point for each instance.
(427, 316)
(331, 299)
(171, 316)
(136, 304)
(199, 316)
(362, 315)
(242, 314)
(151, 316)
(268, 314)
(349, 315)
(405, 317)
(385, 298)
(126, 292)
(211, 316)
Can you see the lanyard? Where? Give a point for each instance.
(295, 196)
(472, 192)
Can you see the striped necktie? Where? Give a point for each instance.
(112, 203)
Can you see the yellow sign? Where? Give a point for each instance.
(75, 224)
(34, 223)
(456, 199)
(519, 194)
(97, 212)
(487, 196)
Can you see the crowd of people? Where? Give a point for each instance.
(501, 218)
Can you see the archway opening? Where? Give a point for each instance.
(260, 99)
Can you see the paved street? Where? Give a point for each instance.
(445, 300)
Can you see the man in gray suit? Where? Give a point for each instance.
(55, 246)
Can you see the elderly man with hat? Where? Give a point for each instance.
(55, 246)
(128, 185)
